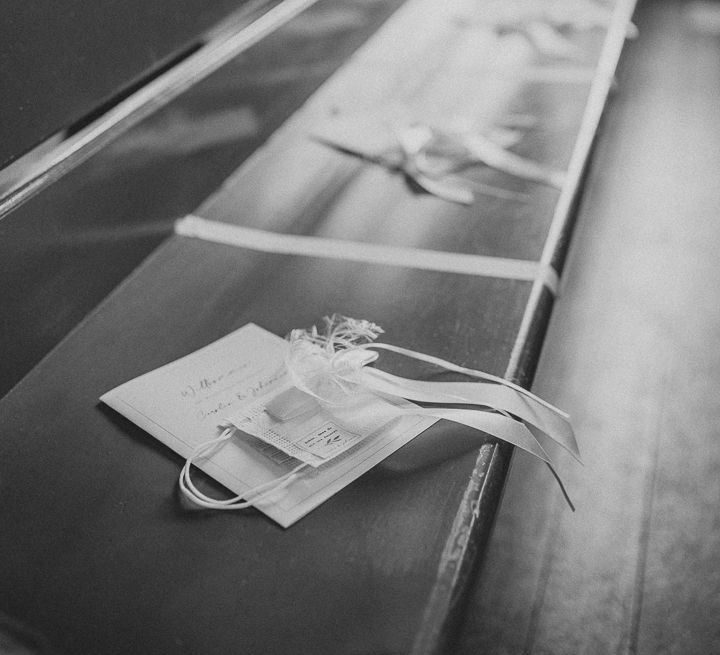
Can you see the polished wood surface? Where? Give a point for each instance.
(117, 562)
(632, 354)
(60, 62)
(296, 185)
(101, 555)
(65, 249)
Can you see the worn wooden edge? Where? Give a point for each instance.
(475, 516)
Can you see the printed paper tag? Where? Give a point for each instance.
(329, 440)
(315, 437)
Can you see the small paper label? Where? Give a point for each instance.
(329, 440)
(314, 437)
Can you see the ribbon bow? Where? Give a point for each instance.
(332, 365)
(432, 157)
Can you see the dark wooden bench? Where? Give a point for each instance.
(97, 554)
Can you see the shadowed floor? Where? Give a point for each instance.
(633, 355)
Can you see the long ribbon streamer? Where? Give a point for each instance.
(330, 365)
(243, 501)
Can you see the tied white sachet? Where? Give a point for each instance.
(187, 403)
(335, 400)
(434, 158)
(294, 429)
(300, 426)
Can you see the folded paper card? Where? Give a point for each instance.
(286, 424)
(187, 402)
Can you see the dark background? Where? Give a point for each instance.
(60, 61)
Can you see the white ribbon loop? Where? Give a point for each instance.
(248, 499)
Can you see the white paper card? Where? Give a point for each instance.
(183, 403)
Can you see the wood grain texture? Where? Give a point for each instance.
(63, 251)
(394, 551)
(632, 355)
(60, 64)
(296, 186)
(202, 582)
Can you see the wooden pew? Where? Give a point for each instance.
(100, 555)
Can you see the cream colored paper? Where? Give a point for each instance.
(183, 403)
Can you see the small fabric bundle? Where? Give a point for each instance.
(330, 375)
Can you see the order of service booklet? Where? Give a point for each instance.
(189, 401)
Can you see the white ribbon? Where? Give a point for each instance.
(332, 365)
(370, 253)
(433, 158)
(243, 501)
